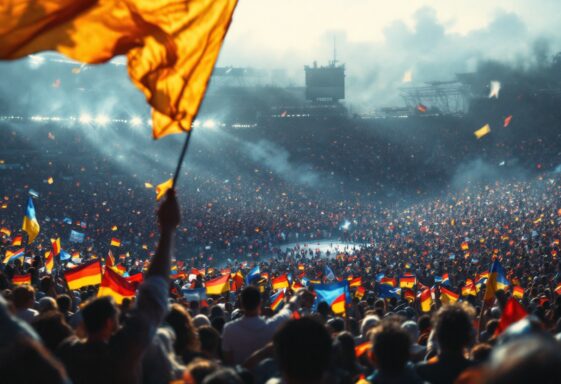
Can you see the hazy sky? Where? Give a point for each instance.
(381, 40)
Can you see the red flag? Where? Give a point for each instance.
(512, 313)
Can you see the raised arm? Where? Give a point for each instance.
(168, 218)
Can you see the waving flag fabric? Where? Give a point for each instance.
(49, 261)
(21, 279)
(171, 45)
(12, 255)
(116, 286)
(276, 300)
(497, 281)
(334, 294)
(30, 223)
(279, 282)
(218, 286)
(84, 275)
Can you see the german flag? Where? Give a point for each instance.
(296, 286)
(407, 281)
(116, 286)
(110, 259)
(16, 241)
(237, 281)
(518, 292)
(84, 275)
(5, 231)
(447, 296)
(425, 298)
(409, 295)
(218, 286)
(55, 244)
(280, 282)
(356, 282)
(49, 261)
(360, 291)
(115, 242)
(388, 281)
(22, 279)
(469, 289)
(464, 246)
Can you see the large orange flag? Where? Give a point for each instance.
(171, 45)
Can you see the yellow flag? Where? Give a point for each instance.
(171, 45)
(482, 131)
(161, 189)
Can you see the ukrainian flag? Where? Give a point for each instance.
(30, 224)
(497, 281)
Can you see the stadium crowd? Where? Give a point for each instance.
(436, 328)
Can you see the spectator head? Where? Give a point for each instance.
(101, 317)
(46, 304)
(185, 332)
(391, 346)
(210, 341)
(453, 329)
(64, 302)
(303, 350)
(369, 322)
(250, 300)
(200, 320)
(23, 296)
(196, 371)
(52, 328)
(412, 330)
(344, 352)
(530, 359)
(336, 325)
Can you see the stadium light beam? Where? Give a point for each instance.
(85, 118)
(102, 119)
(136, 121)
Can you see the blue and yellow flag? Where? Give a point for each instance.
(30, 224)
(497, 281)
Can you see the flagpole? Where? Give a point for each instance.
(182, 156)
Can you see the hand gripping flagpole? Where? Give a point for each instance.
(182, 156)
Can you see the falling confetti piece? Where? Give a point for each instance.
(486, 129)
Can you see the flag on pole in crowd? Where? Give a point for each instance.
(30, 223)
(76, 237)
(483, 131)
(5, 231)
(84, 275)
(162, 188)
(171, 47)
(110, 259)
(253, 274)
(388, 281)
(114, 285)
(518, 292)
(407, 281)
(218, 286)
(55, 245)
(336, 295)
(16, 241)
(497, 281)
(12, 255)
(386, 291)
(360, 292)
(447, 296)
(445, 280)
(49, 261)
(512, 312)
(276, 300)
(425, 299)
(356, 282)
(115, 242)
(280, 282)
(22, 279)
